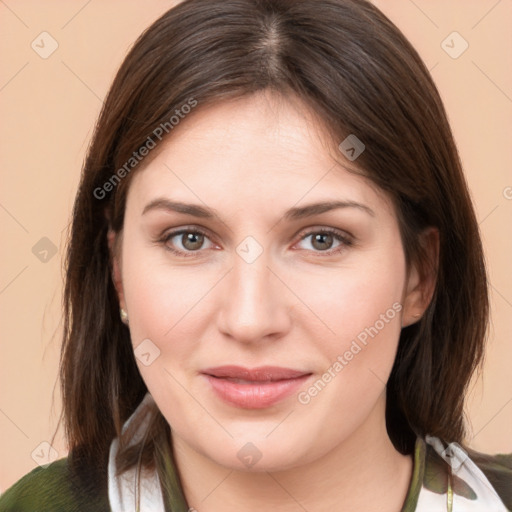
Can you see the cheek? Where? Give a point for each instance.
(161, 298)
(358, 295)
(361, 307)
(163, 303)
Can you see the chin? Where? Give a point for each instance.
(255, 453)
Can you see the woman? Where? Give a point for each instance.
(275, 293)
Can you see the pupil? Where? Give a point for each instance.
(189, 238)
(320, 237)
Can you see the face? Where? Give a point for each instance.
(262, 328)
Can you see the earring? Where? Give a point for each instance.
(124, 316)
(417, 315)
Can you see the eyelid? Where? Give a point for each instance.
(325, 229)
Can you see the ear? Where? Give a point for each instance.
(422, 278)
(114, 245)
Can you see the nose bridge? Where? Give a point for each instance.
(254, 305)
(251, 279)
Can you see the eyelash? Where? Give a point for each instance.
(345, 240)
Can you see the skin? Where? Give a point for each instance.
(294, 306)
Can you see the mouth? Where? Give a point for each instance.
(255, 388)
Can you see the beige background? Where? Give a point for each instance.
(48, 108)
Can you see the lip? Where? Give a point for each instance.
(255, 388)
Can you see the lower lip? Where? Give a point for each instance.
(256, 395)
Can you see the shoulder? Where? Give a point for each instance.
(470, 477)
(498, 470)
(53, 489)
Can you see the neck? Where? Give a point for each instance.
(363, 472)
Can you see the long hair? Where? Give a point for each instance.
(355, 70)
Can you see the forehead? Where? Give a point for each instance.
(259, 151)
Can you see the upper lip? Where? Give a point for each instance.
(259, 374)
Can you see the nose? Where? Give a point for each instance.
(254, 302)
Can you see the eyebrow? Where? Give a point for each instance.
(297, 212)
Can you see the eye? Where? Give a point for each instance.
(323, 239)
(188, 241)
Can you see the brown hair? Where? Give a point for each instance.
(356, 71)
